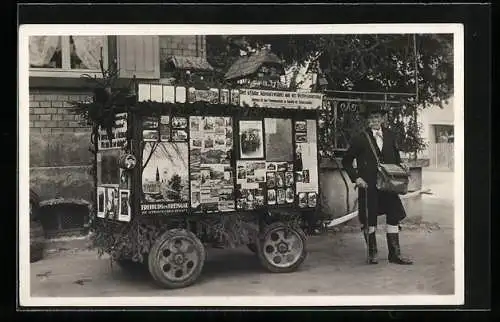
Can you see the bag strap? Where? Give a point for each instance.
(372, 147)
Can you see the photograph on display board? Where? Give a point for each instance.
(305, 176)
(289, 179)
(119, 133)
(302, 200)
(179, 135)
(124, 202)
(279, 146)
(150, 136)
(195, 199)
(298, 158)
(312, 199)
(280, 196)
(271, 197)
(112, 206)
(280, 179)
(107, 163)
(290, 195)
(179, 122)
(196, 143)
(214, 155)
(150, 123)
(271, 167)
(271, 180)
(195, 160)
(164, 128)
(300, 126)
(123, 179)
(194, 124)
(300, 137)
(165, 174)
(242, 172)
(251, 140)
(101, 201)
(299, 176)
(209, 123)
(250, 199)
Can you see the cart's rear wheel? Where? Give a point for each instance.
(282, 248)
(176, 259)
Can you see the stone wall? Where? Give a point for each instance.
(60, 160)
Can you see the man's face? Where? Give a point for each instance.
(375, 121)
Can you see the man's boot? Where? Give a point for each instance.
(371, 243)
(395, 250)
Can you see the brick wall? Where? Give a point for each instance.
(182, 46)
(49, 112)
(60, 161)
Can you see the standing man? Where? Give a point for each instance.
(364, 176)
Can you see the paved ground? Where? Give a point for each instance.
(335, 266)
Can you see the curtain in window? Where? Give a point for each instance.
(42, 49)
(88, 49)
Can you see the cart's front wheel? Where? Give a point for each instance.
(176, 259)
(282, 248)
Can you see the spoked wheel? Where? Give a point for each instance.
(282, 248)
(176, 259)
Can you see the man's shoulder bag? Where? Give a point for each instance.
(390, 177)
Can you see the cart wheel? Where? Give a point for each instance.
(282, 249)
(252, 247)
(176, 259)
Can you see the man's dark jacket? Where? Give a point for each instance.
(366, 168)
(366, 164)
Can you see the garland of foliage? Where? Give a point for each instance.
(134, 240)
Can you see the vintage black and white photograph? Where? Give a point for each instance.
(101, 201)
(251, 140)
(124, 202)
(313, 109)
(150, 135)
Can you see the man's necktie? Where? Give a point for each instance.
(379, 139)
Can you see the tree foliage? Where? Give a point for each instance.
(358, 62)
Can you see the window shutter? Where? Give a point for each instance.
(139, 56)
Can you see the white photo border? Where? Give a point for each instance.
(132, 29)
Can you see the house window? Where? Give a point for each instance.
(66, 55)
(443, 133)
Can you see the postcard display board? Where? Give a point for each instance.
(189, 164)
(113, 186)
(278, 158)
(278, 164)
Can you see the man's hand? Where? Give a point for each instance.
(360, 183)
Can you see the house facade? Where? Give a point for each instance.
(60, 159)
(438, 132)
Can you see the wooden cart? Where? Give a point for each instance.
(185, 169)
